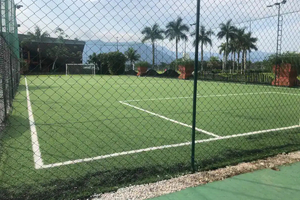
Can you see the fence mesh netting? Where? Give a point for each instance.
(99, 95)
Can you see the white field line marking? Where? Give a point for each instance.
(205, 96)
(37, 156)
(168, 119)
(165, 147)
(292, 94)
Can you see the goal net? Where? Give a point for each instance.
(74, 68)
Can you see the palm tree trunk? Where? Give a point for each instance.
(153, 47)
(234, 61)
(238, 61)
(176, 48)
(226, 50)
(223, 62)
(40, 59)
(231, 59)
(201, 56)
(245, 60)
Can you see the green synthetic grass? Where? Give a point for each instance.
(81, 117)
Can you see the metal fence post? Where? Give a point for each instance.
(195, 87)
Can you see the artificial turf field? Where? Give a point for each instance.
(89, 131)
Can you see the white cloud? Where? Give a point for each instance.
(108, 19)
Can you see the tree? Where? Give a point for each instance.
(152, 33)
(39, 37)
(214, 62)
(176, 30)
(60, 50)
(228, 31)
(93, 58)
(248, 44)
(132, 56)
(204, 39)
(116, 62)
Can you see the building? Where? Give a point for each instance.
(52, 58)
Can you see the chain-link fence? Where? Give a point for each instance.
(115, 93)
(9, 58)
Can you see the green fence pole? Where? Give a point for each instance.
(195, 87)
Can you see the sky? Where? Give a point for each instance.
(123, 20)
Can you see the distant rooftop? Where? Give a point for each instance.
(51, 40)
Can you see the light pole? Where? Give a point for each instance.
(278, 44)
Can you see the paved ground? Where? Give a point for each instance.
(264, 184)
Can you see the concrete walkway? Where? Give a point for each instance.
(264, 184)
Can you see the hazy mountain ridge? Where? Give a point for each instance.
(162, 54)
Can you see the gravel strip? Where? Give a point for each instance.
(191, 180)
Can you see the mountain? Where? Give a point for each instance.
(162, 54)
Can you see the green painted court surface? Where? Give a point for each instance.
(263, 184)
(92, 124)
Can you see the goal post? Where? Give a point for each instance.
(78, 68)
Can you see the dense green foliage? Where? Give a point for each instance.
(132, 56)
(116, 62)
(188, 63)
(292, 58)
(143, 64)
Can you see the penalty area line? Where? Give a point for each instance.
(168, 119)
(37, 156)
(165, 147)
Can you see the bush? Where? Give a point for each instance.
(143, 64)
(188, 63)
(102, 63)
(292, 58)
(116, 62)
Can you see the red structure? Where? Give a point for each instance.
(141, 70)
(285, 75)
(185, 72)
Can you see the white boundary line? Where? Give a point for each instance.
(205, 96)
(164, 147)
(37, 156)
(168, 119)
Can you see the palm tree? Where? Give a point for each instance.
(222, 50)
(132, 56)
(247, 45)
(152, 33)
(239, 41)
(176, 30)
(227, 31)
(204, 39)
(38, 37)
(232, 48)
